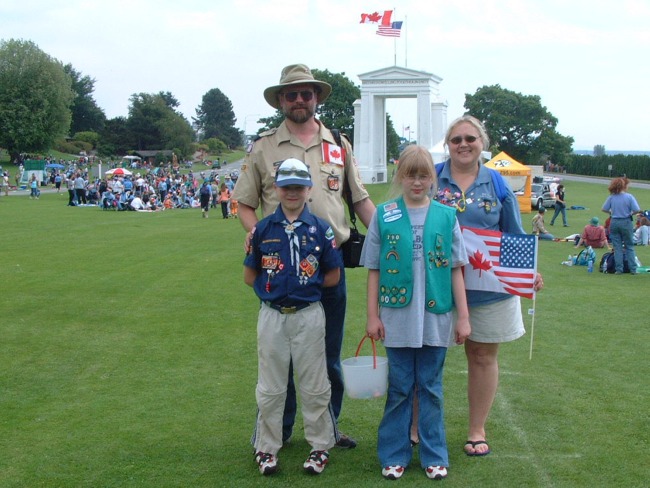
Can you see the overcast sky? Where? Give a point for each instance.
(587, 60)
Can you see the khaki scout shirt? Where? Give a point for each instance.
(326, 200)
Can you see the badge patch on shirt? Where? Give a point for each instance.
(329, 234)
(333, 154)
(309, 265)
(276, 165)
(270, 262)
(333, 183)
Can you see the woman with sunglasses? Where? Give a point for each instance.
(466, 184)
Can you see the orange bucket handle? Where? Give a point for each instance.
(374, 350)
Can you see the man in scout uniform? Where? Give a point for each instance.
(332, 167)
(293, 256)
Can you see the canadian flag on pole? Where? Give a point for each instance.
(333, 154)
(375, 17)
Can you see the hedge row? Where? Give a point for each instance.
(634, 167)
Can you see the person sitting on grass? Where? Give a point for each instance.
(538, 226)
(168, 203)
(593, 235)
(108, 199)
(137, 203)
(642, 232)
(292, 257)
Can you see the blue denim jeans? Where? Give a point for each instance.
(334, 302)
(408, 367)
(622, 235)
(559, 210)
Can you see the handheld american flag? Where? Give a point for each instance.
(500, 262)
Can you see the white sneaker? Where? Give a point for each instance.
(316, 462)
(436, 472)
(267, 463)
(392, 472)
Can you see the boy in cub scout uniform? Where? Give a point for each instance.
(293, 256)
(332, 168)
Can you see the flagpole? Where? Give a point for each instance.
(406, 63)
(532, 329)
(394, 45)
(394, 51)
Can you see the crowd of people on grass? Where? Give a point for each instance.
(152, 190)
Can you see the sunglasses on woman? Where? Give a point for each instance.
(459, 139)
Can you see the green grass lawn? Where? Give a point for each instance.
(127, 359)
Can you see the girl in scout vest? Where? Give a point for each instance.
(414, 254)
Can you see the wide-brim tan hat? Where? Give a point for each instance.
(296, 74)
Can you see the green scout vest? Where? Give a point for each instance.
(396, 255)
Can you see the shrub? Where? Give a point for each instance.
(89, 137)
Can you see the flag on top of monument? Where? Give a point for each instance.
(500, 262)
(392, 30)
(376, 17)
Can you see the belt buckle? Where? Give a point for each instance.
(287, 310)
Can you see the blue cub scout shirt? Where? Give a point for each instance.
(278, 280)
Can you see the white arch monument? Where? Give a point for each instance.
(370, 115)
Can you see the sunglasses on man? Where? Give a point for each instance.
(292, 96)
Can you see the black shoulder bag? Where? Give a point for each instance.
(351, 248)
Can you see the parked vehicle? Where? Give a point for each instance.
(541, 195)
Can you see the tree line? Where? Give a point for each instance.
(45, 104)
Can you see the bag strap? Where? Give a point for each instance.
(347, 193)
(374, 350)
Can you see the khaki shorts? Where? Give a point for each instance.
(497, 322)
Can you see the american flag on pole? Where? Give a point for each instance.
(390, 30)
(500, 262)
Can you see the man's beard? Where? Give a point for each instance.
(299, 115)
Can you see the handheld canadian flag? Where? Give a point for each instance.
(333, 154)
(500, 262)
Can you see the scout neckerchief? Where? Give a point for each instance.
(294, 243)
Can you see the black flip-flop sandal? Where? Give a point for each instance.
(474, 444)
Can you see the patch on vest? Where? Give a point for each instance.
(391, 214)
(438, 257)
(393, 295)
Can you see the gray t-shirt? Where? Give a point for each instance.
(413, 326)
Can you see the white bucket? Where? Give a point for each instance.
(365, 376)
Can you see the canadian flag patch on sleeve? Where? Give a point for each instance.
(333, 154)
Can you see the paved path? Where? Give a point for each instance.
(594, 179)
